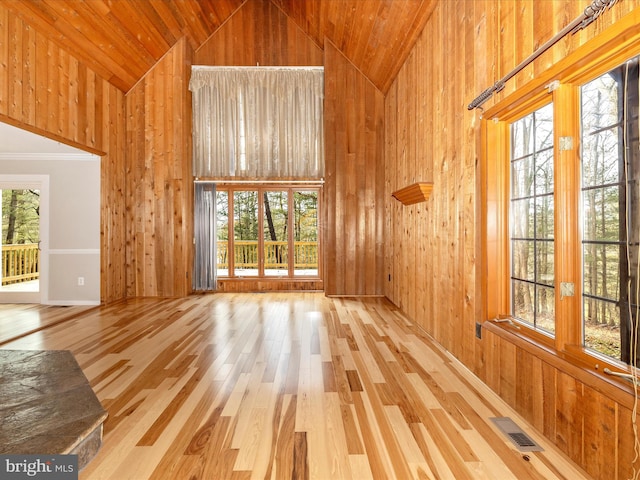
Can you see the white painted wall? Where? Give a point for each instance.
(74, 211)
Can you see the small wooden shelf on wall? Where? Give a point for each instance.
(415, 193)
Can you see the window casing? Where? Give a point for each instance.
(559, 89)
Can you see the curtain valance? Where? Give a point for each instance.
(258, 122)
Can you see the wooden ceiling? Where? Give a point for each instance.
(122, 39)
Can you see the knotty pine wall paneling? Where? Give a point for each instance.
(433, 250)
(259, 33)
(159, 179)
(354, 188)
(113, 198)
(48, 91)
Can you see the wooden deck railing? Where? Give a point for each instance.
(20, 263)
(275, 255)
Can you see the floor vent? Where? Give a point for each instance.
(520, 439)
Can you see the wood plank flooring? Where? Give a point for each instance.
(17, 320)
(285, 386)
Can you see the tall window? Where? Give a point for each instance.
(274, 232)
(562, 211)
(532, 278)
(610, 166)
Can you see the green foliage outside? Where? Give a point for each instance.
(276, 219)
(20, 216)
(609, 214)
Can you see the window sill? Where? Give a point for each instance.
(268, 284)
(615, 388)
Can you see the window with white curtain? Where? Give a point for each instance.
(257, 123)
(261, 122)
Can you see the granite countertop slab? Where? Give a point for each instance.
(47, 405)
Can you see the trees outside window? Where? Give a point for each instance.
(610, 167)
(20, 216)
(275, 231)
(562, 212)
(532, 258)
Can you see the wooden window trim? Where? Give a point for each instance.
(604, 52)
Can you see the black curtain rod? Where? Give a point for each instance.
(589, 15)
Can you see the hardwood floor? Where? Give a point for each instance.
(285, 386)
(17, 320)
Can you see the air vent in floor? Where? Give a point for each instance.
(520, 439)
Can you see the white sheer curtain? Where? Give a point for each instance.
(258, 121)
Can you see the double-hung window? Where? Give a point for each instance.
(561, 207)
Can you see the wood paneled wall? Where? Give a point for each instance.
(376, 35)
(354, 188)
(45, 90)
(159, 181)
(259, 34)
(433, 249)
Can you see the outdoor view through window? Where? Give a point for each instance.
(607, 206)
(611, 231)
(275, 232)
(532, 278)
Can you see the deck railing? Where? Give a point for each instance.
(20, 263)
(276, 255)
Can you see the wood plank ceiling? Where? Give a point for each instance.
(122, 39)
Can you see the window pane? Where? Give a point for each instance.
(523, 294)
(222, 231)
(306, 232)
(602, 326)
(522, 218)
(544, 263)
(601, 270)
(545, 309)
(276, 252)
(601, 158)
(600, 103)
(522, 137)
(539, 315)
(532, 220)
(544, 217)
(544, 172)
(543, 128)
(609, 209)
(521, 178)
(245, 233)
(523, 260)
(601, 207)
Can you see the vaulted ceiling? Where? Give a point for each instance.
(122, 39)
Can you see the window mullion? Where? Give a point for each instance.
(567, 215)
(290, 232)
